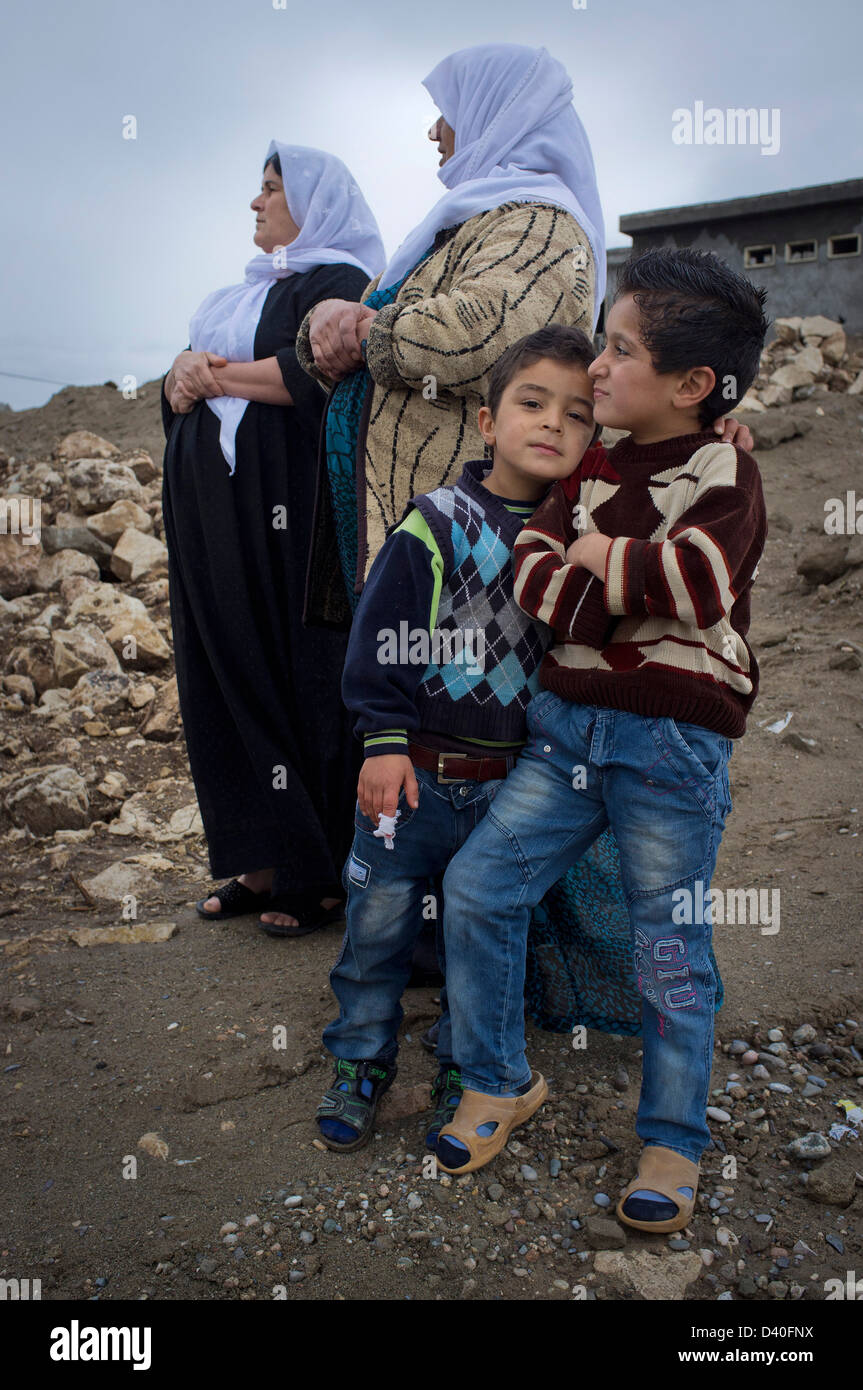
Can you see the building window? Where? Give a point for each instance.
(838, 246)
(801, 250)
(754, 256)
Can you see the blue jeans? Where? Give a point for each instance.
(385, 891)
(663, 787)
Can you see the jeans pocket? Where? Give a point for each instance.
(709, 750)
(539, 705)
(406, 813)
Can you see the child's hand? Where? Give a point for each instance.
(381, 780)
(590, 552)
(732, 431)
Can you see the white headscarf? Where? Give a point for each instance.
(517, 139)
(337, 227)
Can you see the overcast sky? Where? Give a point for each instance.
(109, 244)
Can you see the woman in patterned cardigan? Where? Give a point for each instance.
(517, 242)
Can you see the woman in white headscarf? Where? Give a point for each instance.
(516, 242)
(269, 743)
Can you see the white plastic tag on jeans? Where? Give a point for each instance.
(386, 829)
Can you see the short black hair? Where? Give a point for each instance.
(556, 340)
(696, 311)
(276, 163)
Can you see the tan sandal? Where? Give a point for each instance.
(476, 1109)
(662, 1170)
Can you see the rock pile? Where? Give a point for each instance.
(808, 357)
(85, 630)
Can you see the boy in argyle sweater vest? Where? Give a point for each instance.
(442, 664)
(642, 564)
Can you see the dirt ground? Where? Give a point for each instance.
(105, 1044)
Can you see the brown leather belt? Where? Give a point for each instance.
(469, 769)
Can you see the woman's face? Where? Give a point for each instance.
(274, 225)
(444, 137)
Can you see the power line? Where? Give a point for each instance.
(49, 381)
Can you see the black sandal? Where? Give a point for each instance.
(237, 901)
(346, 1103)
(446, 1094)
(308, 912)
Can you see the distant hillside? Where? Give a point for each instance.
(135, 424)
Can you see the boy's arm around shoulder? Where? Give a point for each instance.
(565, 596)
(400, 597)
(710, 554)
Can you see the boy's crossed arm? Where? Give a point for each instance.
(580, 585)
(558, 572)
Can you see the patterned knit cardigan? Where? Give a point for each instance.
(498, 276)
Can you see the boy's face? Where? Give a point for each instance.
(628, 392)
(544, 421)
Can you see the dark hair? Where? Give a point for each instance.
(696, 311)
(276, 163)
(560, 343)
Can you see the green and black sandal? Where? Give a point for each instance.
(446, 1094)
(346, 1114)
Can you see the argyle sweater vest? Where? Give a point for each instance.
(484, 697)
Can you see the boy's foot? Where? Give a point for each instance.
(346, 1114)
(446, 1094)
(662, 1197)
(483, 1124)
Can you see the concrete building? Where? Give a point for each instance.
(803, 246)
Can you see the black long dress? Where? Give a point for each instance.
(269, 741)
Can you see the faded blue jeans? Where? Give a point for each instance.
(662, 786)
(384, 912)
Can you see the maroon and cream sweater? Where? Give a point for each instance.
(664, 634)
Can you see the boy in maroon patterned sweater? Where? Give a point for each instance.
(642, 564)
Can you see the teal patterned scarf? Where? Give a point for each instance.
(343, 424)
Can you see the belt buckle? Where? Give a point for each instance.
(447, 780)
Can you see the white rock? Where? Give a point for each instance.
(82, 444)
(78, 650)
(776, 395)
(792, 376)
(809, 360)
(19, 565)
(110, 525)
(98, 484)
(817, 326)
(53, 569)
(833, 349)
(103, 692)
(48, 799)
(787, 330)
(856, 386)
(121, 616)
(142, 466)
(722, 1117)
(136, 556)
(119, 880)
(664, 1276)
